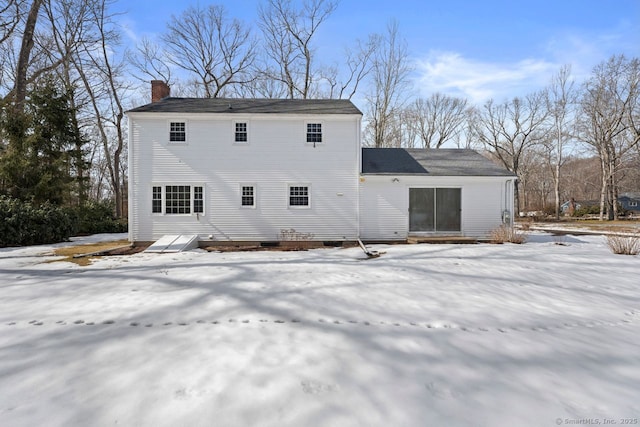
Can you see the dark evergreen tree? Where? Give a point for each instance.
(42, 148)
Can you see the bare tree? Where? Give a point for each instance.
(561, 97)
(390, 81)
(148, 60)
(10, 14)
(440, 118)
(101, 77)
(288, 33)
(20, 88)
(609, 107)
(218, 52)
(511, 129)
(357, 63)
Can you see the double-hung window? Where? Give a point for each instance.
(198, 200)
(314, 133)
(241, 132)
(156, 200)
(177, 199)
(299, 196)
(248, 198)
(177, 132)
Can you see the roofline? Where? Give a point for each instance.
(191, 113)
(433, 176)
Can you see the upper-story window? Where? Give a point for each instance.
(177, 132)
(314, 133)
(241, 132)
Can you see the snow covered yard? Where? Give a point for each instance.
(539, 334)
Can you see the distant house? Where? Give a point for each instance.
(627, 201)
(229, 170)
(630, 202)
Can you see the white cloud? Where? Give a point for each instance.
(455, 74)
(478, 81)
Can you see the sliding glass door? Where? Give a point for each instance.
(434, 210)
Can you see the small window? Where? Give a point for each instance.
(248, 196)
(314, 132)
(241, 134)
(298, 195)
(177, 132)
(633, 204)
(198, 200)
(156, 200)
(178, 199)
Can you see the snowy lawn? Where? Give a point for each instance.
(539, 334)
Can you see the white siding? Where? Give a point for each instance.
(384, 204)
(275, 156)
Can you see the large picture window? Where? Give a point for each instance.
(177, 199)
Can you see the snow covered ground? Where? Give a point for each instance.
(540, 334)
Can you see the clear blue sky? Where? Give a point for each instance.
(477, 49)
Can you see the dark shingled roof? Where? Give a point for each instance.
(236, 105)
(431, 162)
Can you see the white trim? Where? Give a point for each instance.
(186, 131)
(255, 195)
(163, 191)
(298, 184)
(323, 133)
(435, 231)
(233, 131)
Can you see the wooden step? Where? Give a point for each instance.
(442, 239)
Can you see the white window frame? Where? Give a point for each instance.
(322, 132)
(186, 131)
(633, 204)
(292, 185)
(153, 199)
(233, 131)
(163, 198)
(254, 195)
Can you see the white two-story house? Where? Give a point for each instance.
(244, 170)
(267, 170)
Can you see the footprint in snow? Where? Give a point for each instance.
(317, 387)
(441, 391)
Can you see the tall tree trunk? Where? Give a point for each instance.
(25, 55)
(603, 187)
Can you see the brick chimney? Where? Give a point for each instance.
(159, 90)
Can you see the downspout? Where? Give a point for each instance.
(131, 169)
(358, 172)
(507, 215)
